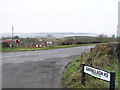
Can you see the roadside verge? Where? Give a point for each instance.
(103, 56)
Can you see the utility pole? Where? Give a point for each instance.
(12, 31)
(118, 47)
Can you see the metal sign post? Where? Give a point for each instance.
(83, 75)
(98, 73)
(112, 80)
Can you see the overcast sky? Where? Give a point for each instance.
(85, 16)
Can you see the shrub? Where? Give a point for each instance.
(5, 45)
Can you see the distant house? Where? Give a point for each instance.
(38, 40)
(50, 43)
(39, 43)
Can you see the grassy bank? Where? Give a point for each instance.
(72, 76)
(45, 48)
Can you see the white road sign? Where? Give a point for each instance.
(97, 73)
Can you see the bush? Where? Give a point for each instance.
(5, 45)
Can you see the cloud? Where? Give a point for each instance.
(99, 16)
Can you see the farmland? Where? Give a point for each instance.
(30, 44)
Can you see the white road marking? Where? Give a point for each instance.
(27, 54)
(46, 53)
(66, 56)
(41, 53)
(11, 56)
(19, 62)
(6, 57)
(38, 60)
(49, 52)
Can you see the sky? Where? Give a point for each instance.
(83, 16)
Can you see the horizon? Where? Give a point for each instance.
(54, 34)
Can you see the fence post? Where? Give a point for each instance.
(83, 57)
(112, 80)
(83, 75)
(91, 50)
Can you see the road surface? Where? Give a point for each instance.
(37, 69)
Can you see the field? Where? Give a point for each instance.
(28, 44)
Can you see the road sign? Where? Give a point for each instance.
(98, 73)
(101, 74)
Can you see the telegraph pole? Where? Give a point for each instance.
(12, 31)
(118, 48)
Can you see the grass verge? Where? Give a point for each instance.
(45, 48)
(72, 76)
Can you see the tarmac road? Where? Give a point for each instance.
(37, 69)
